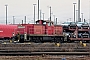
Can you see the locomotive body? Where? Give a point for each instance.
(41, 32)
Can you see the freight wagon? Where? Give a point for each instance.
(7, 31)
(78, 32)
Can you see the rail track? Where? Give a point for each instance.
(43, 49)
(48, 57)
(41, 53)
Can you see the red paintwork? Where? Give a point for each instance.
(38, 29)
(41, 29)
(32, 29)
(50, 30)
(58, 29)
(26, 28)
(7, 30)
(29, 29)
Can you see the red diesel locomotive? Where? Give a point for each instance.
(42, 31)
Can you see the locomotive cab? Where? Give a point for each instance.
(40, 22)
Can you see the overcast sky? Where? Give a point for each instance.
(62, 9)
